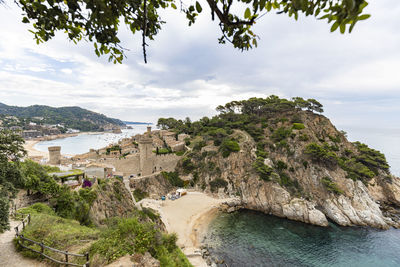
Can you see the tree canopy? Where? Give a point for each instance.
(99, 21)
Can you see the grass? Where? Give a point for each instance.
(121, 236)
(55, 232)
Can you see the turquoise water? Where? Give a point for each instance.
(84, 142)
(248, 238)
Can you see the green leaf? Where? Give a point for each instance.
(342, 28)
(334, 26)
(262, 4)
(352, 26)
(198, 7)
(364, 17)
(268, 6)
(247, 13)
(173, 5)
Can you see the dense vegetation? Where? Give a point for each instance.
(253, 116)
(277, 127)
(34, 177)
(136, 234)
(11, 177)
(70, 117)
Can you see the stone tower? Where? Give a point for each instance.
(146, 153)
(54, 155)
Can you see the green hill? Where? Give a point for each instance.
(70, 117)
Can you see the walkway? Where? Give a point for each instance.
(8, 254)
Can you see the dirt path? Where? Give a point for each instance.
(9, 256)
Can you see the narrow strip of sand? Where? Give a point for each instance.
(188, 217)
(29, 146)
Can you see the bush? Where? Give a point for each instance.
(320, 154)
(263, 170)
(331, 186)
(280, 165)
(304, 137)
(139, 194)
(296, 119)
(129, 236)
(371, 158)
(179, 153)
(187, 165)
(173, 178)
(217, 183)
(229, 146)
(298, 126)
(280, 134)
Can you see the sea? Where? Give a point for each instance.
(82, 143)
(247, 238)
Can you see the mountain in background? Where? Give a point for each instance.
(70, 117)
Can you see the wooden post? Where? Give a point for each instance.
(87, 259)
(66, 257)
(29, 218)
(23, 225)
(41, 247)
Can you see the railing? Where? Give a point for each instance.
(21, 241)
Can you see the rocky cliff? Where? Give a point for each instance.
(113, 200)
(301, 168)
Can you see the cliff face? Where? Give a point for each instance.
(311, 187)
(113, 200)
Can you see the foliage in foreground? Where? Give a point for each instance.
(11, 177)
(121, 236)
(129, 236)
(99, 22)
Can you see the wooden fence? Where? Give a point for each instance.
(21, 240)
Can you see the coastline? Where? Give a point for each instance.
(188, 217)
(29, 145)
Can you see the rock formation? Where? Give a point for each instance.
(300, 187)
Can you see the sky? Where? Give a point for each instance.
(355, 76)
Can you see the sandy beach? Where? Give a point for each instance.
(29, 146)
(188, 217)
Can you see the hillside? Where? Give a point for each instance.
(282, 158)
(70, 117)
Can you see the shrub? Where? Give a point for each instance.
(179, 153)
(263, 170)
(37, 208)
(280, 134)
(199, 145)
(331, 186)
(280, 165)
(305, 164)
(217, 183)
(229, 146)
(335, 139)
(187, 165)
(298, 126)
(296, 119)
(139, 194)
(320, 154)
(371, 158)
(187, 141)
(304, 137)
(173, 178)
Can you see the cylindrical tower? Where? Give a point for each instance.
(54, 155)
(146, 155)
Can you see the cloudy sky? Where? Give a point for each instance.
(355, 76)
